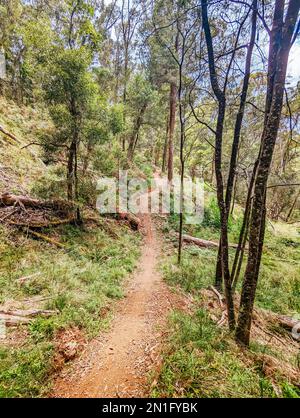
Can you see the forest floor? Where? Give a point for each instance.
(118, 363)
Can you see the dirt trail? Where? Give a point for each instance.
(116, 364)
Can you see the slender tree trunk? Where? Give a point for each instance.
(165, 150)
(182, 138)
(212, 170)
(157, 151)
(126, 62)
(238, 258)
(223, 215)
(234, 194)
(134, 137)
(172, 121)
(172, 117)
(220, 96)
(86, 160)
(70, 173)
(72, 176)
(78, 214)
(237, 134)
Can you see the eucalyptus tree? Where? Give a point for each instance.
(68, 84)
(283, 34)
(164, 47)
(222, 68)
(140, 97)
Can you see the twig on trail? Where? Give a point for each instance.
(218, 294)
(222, 319)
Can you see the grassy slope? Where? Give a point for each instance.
(201, 360)
(80, 281)
(279, 285)
(19, 167)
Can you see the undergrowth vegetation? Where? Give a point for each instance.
(202, 361)
(200, 358)
(278, 286)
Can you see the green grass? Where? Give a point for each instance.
(80, 283)
(19, 167)
(194, 273)
(279, 285)
(201, 360)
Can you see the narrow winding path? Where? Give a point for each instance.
(116, 364)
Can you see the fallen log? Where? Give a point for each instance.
(9, 199)
(28, 313)
(287, 322)
(134, 221)
(199, 242)
(8, 134)
(19, 317)
(11, 320)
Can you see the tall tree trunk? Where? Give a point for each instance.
(172, 117)
(220, 96)
(87, 156)
(135, 133)
(237, 134)
(172, 121)
(165, 149)
(182, 140)
(70, 173)
(78, 215)
(282, 31)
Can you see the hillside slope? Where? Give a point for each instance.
(59, 295)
